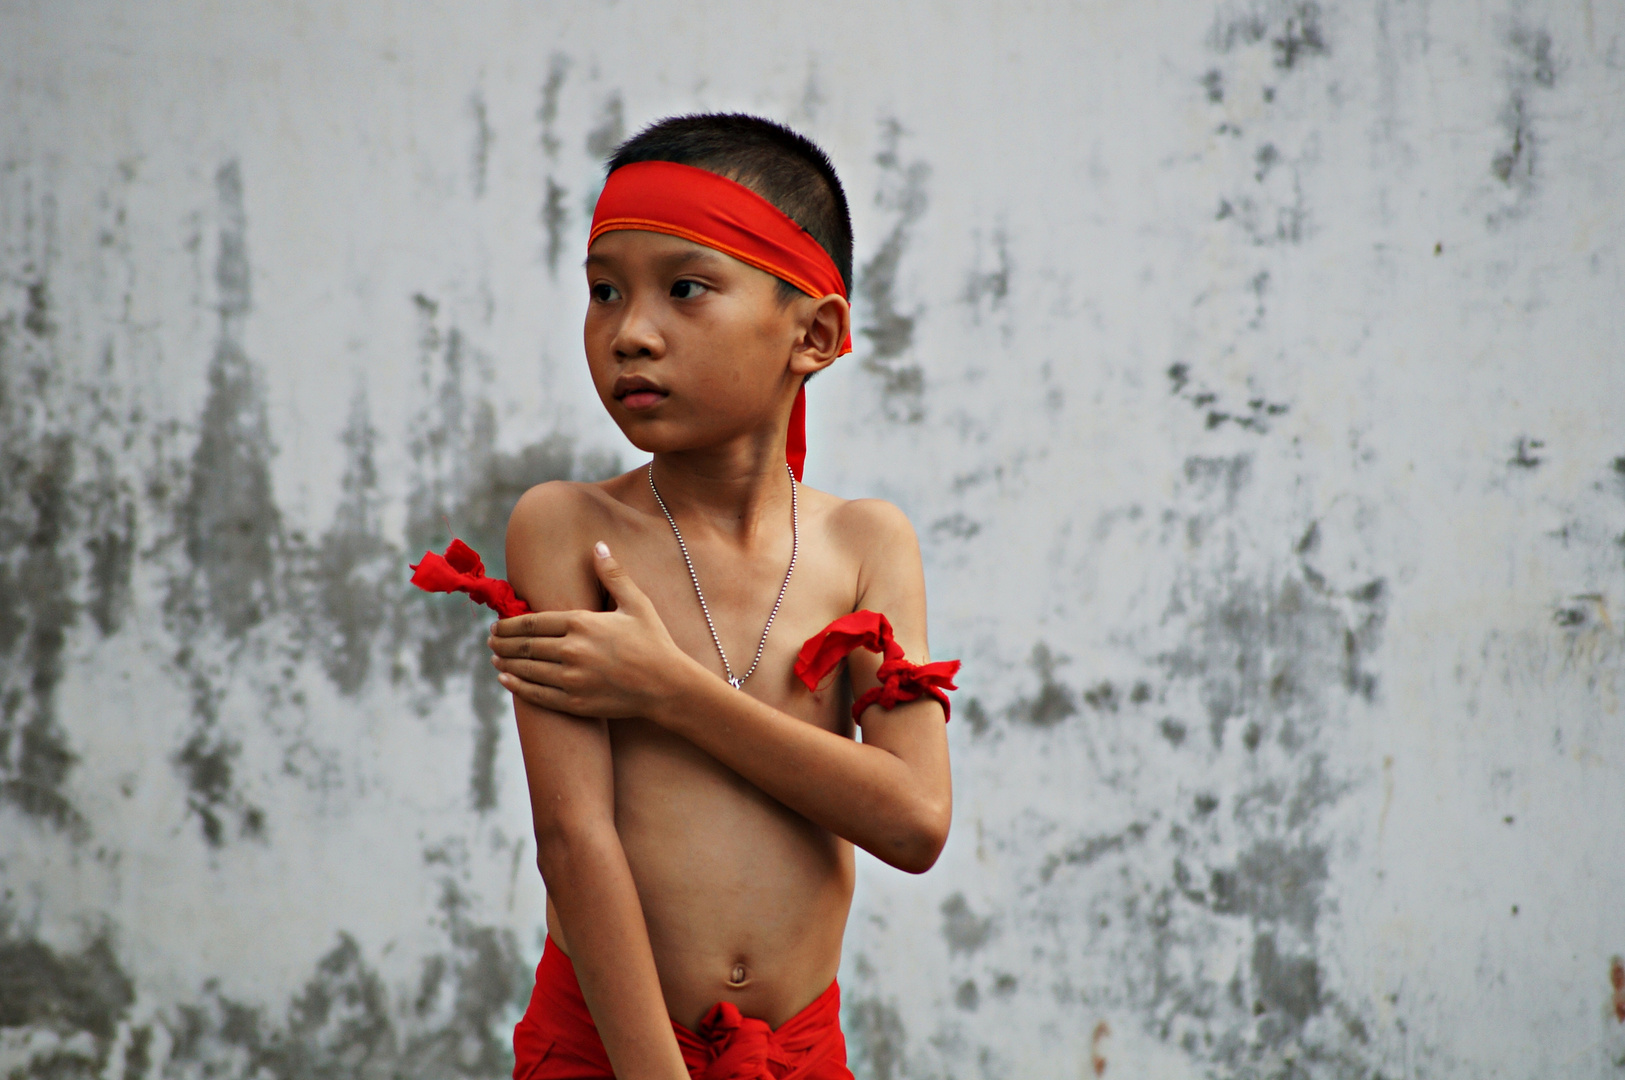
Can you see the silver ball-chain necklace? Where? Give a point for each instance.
(735, 681)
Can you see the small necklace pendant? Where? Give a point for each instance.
(736, 683)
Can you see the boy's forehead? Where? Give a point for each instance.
(625, 247)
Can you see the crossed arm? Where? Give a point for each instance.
(571, 668)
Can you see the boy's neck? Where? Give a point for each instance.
(737, 489)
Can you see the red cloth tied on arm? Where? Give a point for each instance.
(699, 206)
(900, 681)
(460, 569)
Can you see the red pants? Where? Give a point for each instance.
(557, 1040)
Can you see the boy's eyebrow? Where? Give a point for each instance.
(673, 261)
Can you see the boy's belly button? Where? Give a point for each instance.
(739, 977)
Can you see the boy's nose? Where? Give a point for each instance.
(638, 334)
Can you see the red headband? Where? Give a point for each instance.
(700, 206)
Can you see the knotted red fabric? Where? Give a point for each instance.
(460, 569)
(900, 680)
(699, 206)
(557, 1040)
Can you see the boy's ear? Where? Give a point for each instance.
(825, 324)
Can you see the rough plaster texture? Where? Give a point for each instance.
(1251, 370)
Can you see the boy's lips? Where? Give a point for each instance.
(638, 393)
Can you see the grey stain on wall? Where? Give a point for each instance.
(875, 1039)
(888, 328)
(1053, 701)
(229, 518)
(61, 1010)
(962, 928)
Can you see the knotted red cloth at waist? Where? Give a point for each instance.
(557, 1040)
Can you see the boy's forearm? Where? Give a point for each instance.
(897, 811)
(592, 890)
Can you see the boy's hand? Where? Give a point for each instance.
(600, 664)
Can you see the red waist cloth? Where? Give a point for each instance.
(556, 1039)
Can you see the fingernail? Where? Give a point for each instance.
(602, 549)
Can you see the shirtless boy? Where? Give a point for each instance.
(695, 834)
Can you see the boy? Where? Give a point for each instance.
(695, 803)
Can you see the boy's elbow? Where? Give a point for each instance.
(567, 845)
(926, 838)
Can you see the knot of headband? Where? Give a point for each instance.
(707, 209)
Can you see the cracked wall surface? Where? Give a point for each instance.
(1251, 370)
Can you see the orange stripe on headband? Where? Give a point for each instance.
(704, 208)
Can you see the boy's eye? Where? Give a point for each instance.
(687, 290)
(604, 293)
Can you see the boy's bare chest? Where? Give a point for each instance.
(740, 591)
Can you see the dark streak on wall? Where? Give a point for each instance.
(480, 159)
(607, 134)
(1515, 164)
(355, 567)
(230, 529)
(547, 113)
(554, 219)
(40, 506)
(554, 216)
(1273, 209)
(463, 481)
(889, 330)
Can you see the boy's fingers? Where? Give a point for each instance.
(535, 624)
(543, 697)
(617, 582)
(539, 647)
(540, 672)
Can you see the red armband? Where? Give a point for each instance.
(461, 570)
(900, 681)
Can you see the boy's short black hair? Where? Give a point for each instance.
(783, 167)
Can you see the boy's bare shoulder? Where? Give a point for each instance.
(560, 509)
(550, 535)
(556, 505)
(867, 528)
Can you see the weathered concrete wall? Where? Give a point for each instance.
(1251, 369)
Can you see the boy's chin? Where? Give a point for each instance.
(648, 437)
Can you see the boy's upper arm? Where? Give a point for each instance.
(891, 580)
(567, 759)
